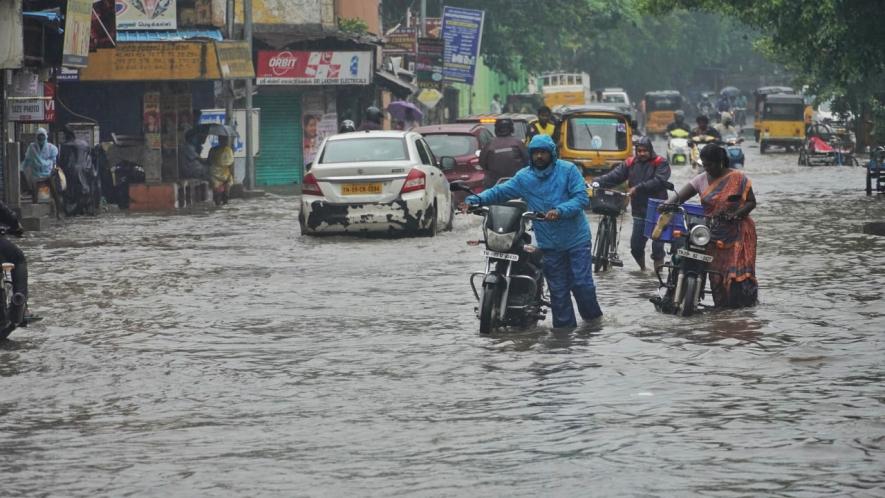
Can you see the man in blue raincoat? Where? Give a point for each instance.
(555, 187)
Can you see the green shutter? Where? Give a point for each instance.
(280, 160)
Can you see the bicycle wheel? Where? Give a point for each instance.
(613, 241)
(600, 256)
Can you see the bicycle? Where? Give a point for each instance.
(610, 204)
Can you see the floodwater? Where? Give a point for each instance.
(220, 353)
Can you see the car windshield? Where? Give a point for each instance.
(664, 103)
(611, 133)
(614, 99)
(452, 145)
(364, 149)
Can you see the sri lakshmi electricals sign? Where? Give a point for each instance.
(293, 67)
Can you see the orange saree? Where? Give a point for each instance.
(733, 270)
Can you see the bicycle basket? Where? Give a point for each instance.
(610, 202)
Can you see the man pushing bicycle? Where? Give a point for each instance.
(646, 175)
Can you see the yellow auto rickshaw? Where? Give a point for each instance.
(660, 108)
(596, 137)
(759, 95)
(782, 122)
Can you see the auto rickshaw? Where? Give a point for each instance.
(596, 137)
(782, 122)
(759, 96)
(660, 107)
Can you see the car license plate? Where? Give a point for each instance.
(360, 188)
(694, 255)
(501, 255)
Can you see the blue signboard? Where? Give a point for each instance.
(462, 33)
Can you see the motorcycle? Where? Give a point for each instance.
(511, 291)
(678, 148)
(12, 305)
(692, 240)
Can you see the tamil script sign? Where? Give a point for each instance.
(462, 32)
(146, 14)
(313, 68)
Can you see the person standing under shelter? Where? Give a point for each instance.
(40, 157)
(495, 106)
(221, 160)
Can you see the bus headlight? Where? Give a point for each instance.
(700, 235)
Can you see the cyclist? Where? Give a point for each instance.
(646, 175)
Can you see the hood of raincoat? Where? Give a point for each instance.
(546, 143)
(646, 142)
(42, 131)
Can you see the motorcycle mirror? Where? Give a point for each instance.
(670, 186)
(457, 185)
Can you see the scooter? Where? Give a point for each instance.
(510, 291)
(12, 305)
(678, 148)
(735, 152)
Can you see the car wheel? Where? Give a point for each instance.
(433, 229)
(451, 224)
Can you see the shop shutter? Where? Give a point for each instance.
(280, 160)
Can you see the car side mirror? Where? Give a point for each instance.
(447, 163)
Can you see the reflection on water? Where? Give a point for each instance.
(221, 354)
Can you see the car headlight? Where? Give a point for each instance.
(700, 235)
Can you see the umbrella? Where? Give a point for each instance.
(730, 91)
(398, 110)
(217, 129)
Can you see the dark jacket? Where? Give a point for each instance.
(649, 178)
(7, 216)
(369, 126)
(502, 157)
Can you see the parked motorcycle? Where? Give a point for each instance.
(511, 289)
(678, 148)
(12, 305)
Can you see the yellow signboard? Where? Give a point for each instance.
(153, 61)
(234, 59)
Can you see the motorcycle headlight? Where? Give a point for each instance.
(501, 242)
(700, 235)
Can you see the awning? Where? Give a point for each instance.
(390, 81)
(175, 35)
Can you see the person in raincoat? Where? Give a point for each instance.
(555, 187)
(40, 158)
(646, 175)
(221, 160)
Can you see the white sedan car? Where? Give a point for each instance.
(376, 181)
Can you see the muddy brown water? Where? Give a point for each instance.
(219, 353)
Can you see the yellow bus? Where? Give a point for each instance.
(561, 89)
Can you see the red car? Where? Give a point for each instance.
(462, 141)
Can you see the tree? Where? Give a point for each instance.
(836, 47)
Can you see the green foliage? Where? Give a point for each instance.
(352, 25)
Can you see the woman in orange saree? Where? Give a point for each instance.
(727, 196)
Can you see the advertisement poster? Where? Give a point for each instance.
(319, 119)
(402, 41)
(429, 62)
(78, 30)
(151, 120)
(104, 25)
(462, 32)
(146, 14)
(314, 68)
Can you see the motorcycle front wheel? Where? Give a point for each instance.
(488, 308)
(689, 299)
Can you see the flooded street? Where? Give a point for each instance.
(220, 353)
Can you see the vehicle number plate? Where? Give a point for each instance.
(694, 255)
(360, 188)
(501, 255)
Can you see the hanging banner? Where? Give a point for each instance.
(462, 32)
(314, 68)
(151, 120)
(104, 25)
(429, 62)
(146, 14)
(11, 42)
(78, 30)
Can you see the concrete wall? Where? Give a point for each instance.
(367, 10)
